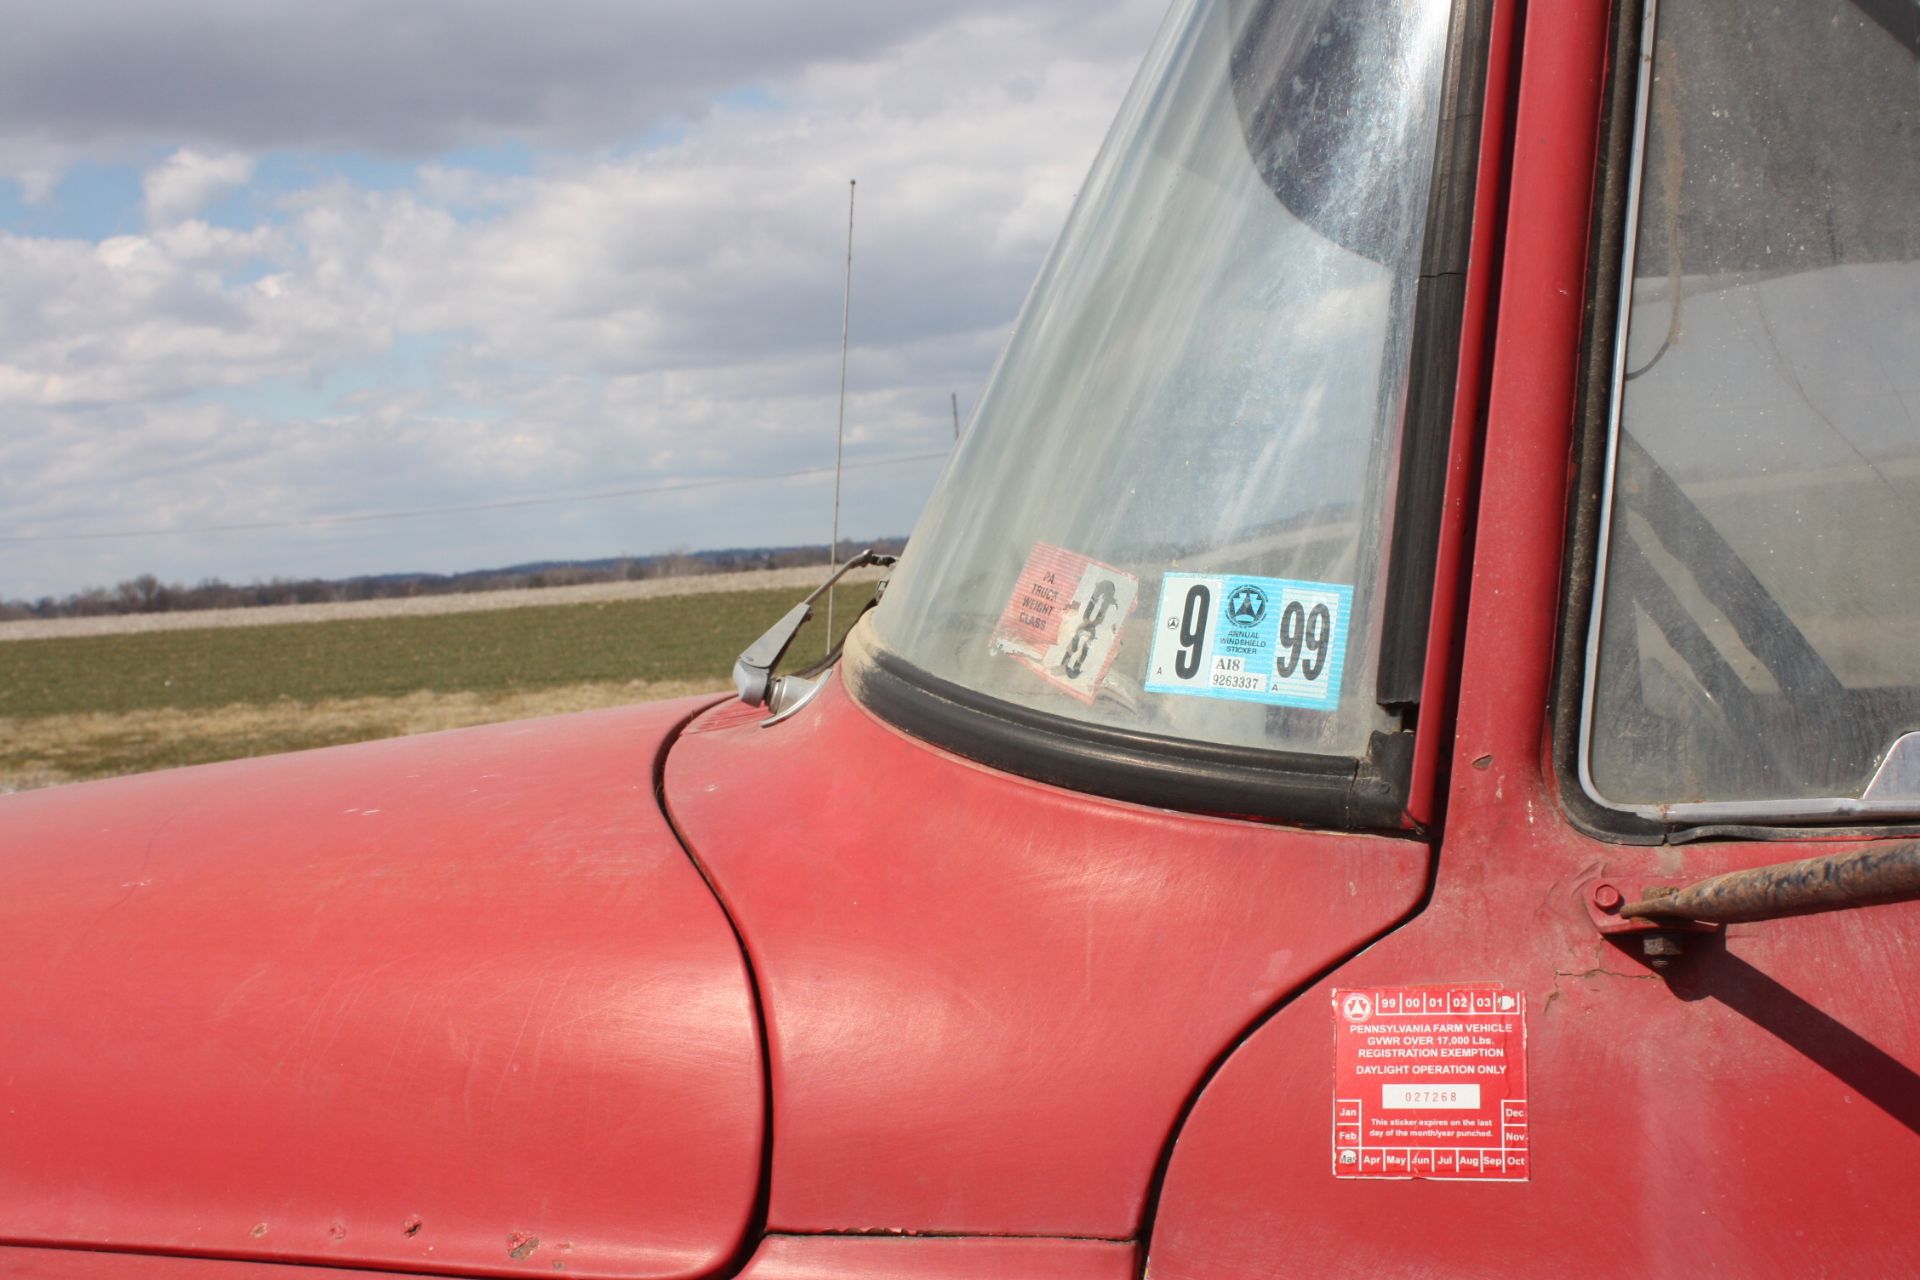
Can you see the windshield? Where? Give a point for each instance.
(1169, 513)
(1753, 649)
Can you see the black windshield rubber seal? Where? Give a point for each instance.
(1144, 768)
(1439, 313)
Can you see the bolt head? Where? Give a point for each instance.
(1606, 897)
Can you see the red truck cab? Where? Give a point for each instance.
(1388, 753)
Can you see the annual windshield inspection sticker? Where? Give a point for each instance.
(1269, 640)
(1064, 617)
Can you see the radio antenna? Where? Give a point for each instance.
(840, 429)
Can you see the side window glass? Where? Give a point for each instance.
(1755, 649)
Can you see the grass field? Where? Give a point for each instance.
(94, 706)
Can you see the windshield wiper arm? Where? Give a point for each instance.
(753, 669)
(1836, 882)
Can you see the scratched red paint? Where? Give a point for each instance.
(950, 1258)
(468, 976)
(988, 999)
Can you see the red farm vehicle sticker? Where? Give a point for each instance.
(1064, 617)
(1430, 1082)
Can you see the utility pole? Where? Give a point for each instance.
(840, 430)
(956, 414)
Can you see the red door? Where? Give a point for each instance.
(1747, 1105)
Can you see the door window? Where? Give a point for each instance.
(1755, 641)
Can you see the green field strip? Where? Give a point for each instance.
(671, 638)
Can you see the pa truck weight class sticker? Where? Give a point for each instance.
(1064, 617)
(1269, 640)
(1430, 1082)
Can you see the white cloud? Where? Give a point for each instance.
(657, 313)
(183, 183)
(36, 184)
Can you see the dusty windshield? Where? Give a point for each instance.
(1755, 640)
(1169, 512)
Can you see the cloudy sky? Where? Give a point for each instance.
(268, 263)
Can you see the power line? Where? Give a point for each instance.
(415, 513)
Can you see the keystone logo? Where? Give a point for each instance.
(1357, 1007)
(1246, 605)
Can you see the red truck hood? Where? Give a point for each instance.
(458, 1002)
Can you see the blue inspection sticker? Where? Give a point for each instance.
(1270, 640)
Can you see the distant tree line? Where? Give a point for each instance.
(147, 594)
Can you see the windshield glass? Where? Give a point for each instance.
(1169, 512)
(1755, 637)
